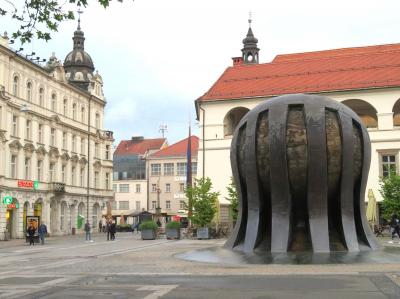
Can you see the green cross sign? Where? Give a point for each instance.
(36, 185)
(7, 200)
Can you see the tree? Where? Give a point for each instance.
(390, 190)
(233, 198)
(202, 201)
(41, 16)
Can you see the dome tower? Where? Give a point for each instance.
(250, 50)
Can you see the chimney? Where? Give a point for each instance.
(137, 138)
(237, 61)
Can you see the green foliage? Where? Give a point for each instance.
(148, 225)
(41, 17)
(390, 190)
(233, 198)
(202, 202)
(173, 225)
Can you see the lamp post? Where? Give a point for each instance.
(88, 165)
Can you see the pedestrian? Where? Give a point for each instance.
(88, 231)
(137, 227)
(133, 228)
(113, 229)
(158, 222)
(42, 230)
(31, 234)
(395, 226)
(108, 229)
(100, 226)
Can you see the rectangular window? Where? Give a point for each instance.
(115, 175)
(74, 143)
(107, 152)
(182, 205)
(153, 205)
(153, 188)
(28, 129)
(63, 173)
(96, 179)
(124, 188)
(181, 169)
(388, 165)
(194, 168)
(64, 140)
(124, 175)
(168, 168)
(39, 170)
(167, 188)
(107, 181)
(73, 174)
(181, 187)
(96, 150)
(40, 133)
(137, 188)
(14, 125)
(124, 205)
(52, 169)
(168, 204)
(27, 169)
(156, 169)
(82, 177)
(83, 146)
(115, 187)
(53, 137)
(137, 205)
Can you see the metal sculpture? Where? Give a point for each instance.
(300, 164)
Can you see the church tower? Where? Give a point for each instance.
(250, 50)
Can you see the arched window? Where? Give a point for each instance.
(365, 111)
(232, 119)
(15, 85)
(54, 102)
(63, 218)
(65, 107)
(97, 123)
(29, 91)
(83, 114)
(41, 96)
(396, 113)
(81, 209)
(74, 111)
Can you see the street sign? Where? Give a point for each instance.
(36, 185)
(7, 199)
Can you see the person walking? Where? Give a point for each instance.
(113, 229)
(104, 224)
(31, 234)
(42, 230)
(88, 231)
(100, 226)
(108, 229)
(395, 225)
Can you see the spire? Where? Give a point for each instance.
(79, 39)
(250, 50)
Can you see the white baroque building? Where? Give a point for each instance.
(366, 79)
(52, 142)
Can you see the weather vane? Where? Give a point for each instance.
(79, 18)
(249, 18)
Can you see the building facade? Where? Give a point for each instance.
(167, 176)
(130, 174)
(364, 78)
(56, 158)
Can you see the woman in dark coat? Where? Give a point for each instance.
(31, 234)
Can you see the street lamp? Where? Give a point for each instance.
(158, 208)
(88, 164)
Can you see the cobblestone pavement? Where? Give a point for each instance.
(69, 267)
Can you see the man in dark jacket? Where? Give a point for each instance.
(88, 231)
(113, 229)
(42, 230)
(31, 234)
(395, 225)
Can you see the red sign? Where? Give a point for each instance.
(13, 206)
(25, 184)
(176, 218)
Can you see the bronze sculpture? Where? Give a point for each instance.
(300, 164)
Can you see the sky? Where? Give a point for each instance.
(157, 57)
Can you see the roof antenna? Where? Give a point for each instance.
(163, 129)
(249, 18)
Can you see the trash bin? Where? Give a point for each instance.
(73, 230)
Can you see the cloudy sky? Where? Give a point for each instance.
(157, 56)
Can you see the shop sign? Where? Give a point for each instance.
(7, 199)
(28, 184)
(13, 206)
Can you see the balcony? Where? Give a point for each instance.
(57, 187)
(107, 135)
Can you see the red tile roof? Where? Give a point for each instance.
(140, 147)
(330, 70)
(179, 149)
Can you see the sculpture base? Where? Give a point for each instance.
(226, 256)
